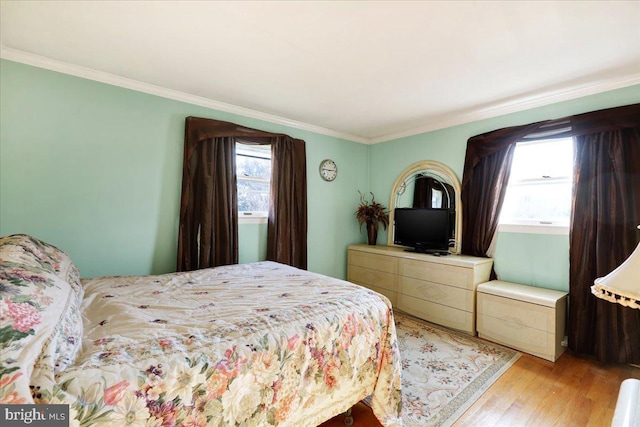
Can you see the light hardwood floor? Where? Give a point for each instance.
(574, 391)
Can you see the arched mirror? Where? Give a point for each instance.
(428, 184)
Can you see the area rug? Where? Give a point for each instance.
(444, 372)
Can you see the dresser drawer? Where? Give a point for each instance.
(450, 296)
(375, 278)
(528, 339)
(439, 273)
(373, 261)
(517, 312)
(437, 313)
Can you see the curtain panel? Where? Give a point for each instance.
(207, 233)
(208, 228)
(287, 225)
(605, 213)
(423, 191)
(603, 230)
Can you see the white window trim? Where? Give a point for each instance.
(253, 217)
(538, 228)
(542, 180)
(253, 178)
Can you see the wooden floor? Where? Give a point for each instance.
(574, 391)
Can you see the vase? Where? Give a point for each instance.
(372, 232)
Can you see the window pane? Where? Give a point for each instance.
(253, 196)
(538, 202)
(540, 183)
(253, 166)
(253, 170)
(533, 160)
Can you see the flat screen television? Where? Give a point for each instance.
(423, 229)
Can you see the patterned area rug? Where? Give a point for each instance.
(444, 372)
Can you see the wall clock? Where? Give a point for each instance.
(328, 170)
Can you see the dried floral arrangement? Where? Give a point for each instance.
(371, 212)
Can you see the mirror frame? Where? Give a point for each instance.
(436, 169)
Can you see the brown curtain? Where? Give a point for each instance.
(605, 213)
(207, 232)
(287, 227)
(422, 191)
(606, 210)
(208, 228)
(488, 163)
(484, 183)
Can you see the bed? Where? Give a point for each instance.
(253, 344)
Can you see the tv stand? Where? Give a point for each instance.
(439, 289)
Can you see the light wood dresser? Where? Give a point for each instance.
(437, 289)
(523, 317)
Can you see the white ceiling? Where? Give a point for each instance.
(366, 71)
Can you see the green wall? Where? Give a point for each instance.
(533, 259)
(539, 260)
(252, 240)
(96, 170)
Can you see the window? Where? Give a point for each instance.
(436, 198)
(253, 172)
(538, 198)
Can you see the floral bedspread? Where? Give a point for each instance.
(254, 344)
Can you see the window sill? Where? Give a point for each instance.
(252, 219)
(562, 230)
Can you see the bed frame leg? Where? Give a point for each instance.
(348, 419)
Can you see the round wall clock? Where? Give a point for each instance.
(328, 170)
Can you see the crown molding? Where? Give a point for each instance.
(512, 106)
(517, 105)
(111, 79)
